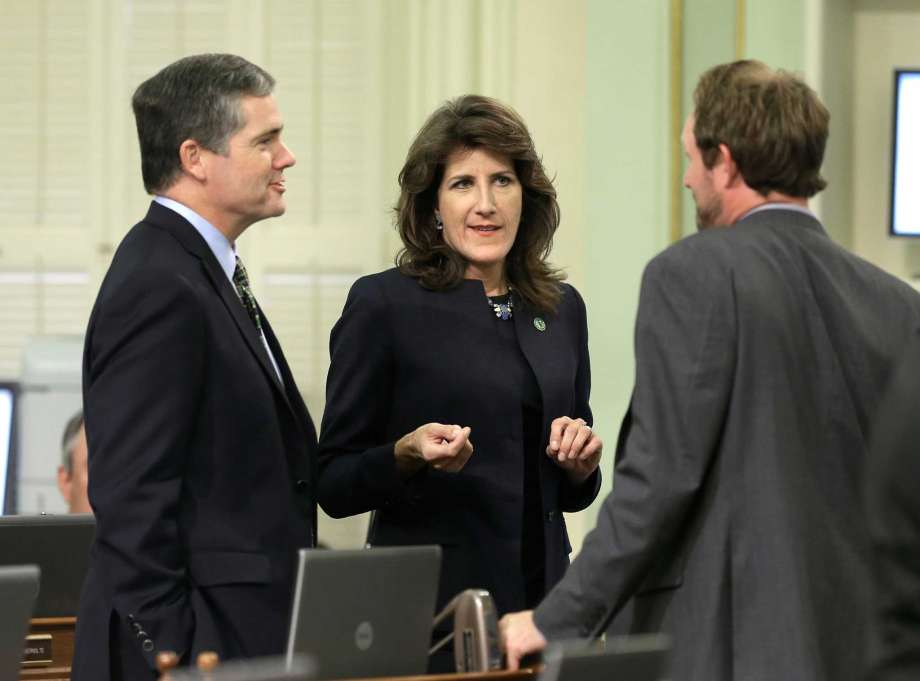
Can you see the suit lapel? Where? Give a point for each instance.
(538, 348)
(192, 241)
(295, 401)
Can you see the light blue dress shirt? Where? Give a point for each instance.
(220, 246)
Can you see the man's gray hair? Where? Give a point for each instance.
(69, 440)
(196, 98)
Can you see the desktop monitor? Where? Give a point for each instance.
(8, 450)
(905, 155)
(620, 658)
(60, 546)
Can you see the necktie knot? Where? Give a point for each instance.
(241, 281)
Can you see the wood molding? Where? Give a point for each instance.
(740, 28)
(677, 119)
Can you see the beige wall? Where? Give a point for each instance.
(357, 78)
(884, 37)
(829, 64)
(709, 36)
(625, 194)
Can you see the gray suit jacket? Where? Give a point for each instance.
(893, 511)
(735, 522)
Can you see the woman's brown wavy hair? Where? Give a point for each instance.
(476, 122)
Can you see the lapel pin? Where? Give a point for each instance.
(539, 324)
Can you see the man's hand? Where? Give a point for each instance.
(446, 448)
(574, 447)
(519, 637)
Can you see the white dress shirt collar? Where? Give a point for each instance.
(222, 249)
(776, 205)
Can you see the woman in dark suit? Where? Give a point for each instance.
(471, 339)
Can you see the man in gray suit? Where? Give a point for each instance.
(762, 349)
(893, 512)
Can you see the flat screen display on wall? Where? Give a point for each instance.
(905, 156)
(8, 392)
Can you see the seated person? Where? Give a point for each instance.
(73, 472)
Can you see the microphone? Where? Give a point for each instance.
(475, 631)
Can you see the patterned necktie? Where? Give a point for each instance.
(241, 280)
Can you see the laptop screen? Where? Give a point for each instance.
(365, 613)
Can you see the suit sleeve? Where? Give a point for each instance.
(575, 498)
(357, 465)
(893, 514)
(143, 378)
(685, 357)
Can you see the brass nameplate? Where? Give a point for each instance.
(38, 651)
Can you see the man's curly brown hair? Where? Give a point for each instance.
(773, 123)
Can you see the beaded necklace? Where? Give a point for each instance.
(503, 309)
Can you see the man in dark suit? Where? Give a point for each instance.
(72, 473)
(735, 524)
(201, 448)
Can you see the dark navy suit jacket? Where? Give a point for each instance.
(200, 467)
(403, 356)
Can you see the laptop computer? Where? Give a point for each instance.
(18, 589)
(367, 612)
(626, 658)
(299, 668)
(59, 545)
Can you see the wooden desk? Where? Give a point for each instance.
(527, 674)
(61, 630)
